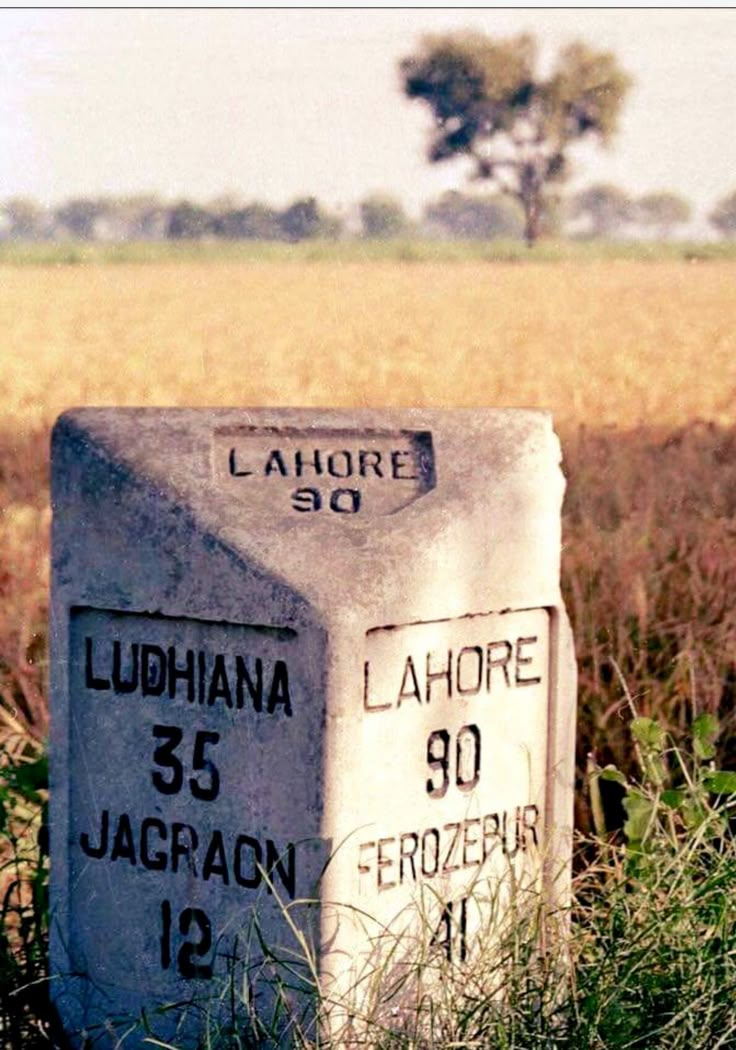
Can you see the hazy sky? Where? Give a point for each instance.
(276, 104)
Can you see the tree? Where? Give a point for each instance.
(606, 208)
(382, 216)
(663, 211)
(188, 221)
(723, 216)
(23, 219)
(305, 219)
(460, 215)
(490, 105)
(144, 216)
(250, 222)
(140, 217)
(78, 217)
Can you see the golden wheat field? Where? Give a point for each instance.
(628, 355)
(615, 341)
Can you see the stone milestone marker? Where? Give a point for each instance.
(312, 687)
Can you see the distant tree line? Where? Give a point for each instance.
(600, 211)
(148, 217)
(607, 211)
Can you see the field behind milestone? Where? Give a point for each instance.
(626, 353)
(636, 359)
(609, 341)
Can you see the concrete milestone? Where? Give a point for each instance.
(313, 698)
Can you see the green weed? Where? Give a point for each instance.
(25, 1017)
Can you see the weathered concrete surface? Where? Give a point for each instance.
(282, 637)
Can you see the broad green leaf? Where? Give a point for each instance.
(705, 734)
(694, 814)
(655, 769)
(721, 782)
(649, 734)
(674, 797)
(611, 773)
(639, 811)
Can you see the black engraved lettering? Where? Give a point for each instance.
(442, 936)
(525, 660)
(185, 673)
(430, 853)
(345, 501)
(511, 833)
(340, 464)
(165, 935)
(193, 950)
(502, 661)
(384, 861)
(469, 843)
(410, 839)
(119, 685)
(152, 861)
(469, 670)
(153, 670)
(529, 825)
(491, 833)
(306, 499)
(215, 861)
(91, 680)
(219, 684)
(279, 695)
(282, 864)
(438, 761)
(443, 675)
(275, 464)
(164, 756)
(207, 787)
(449, 863)
(404, 692)
(202, 668)
(100, 849)
(184, 842)
(467, 757)
(366, 691)
(243, 678)
(399, 467)
(363, 867)
(234, 471)
(303, 464)
(250, 879)
(370, 460)
(122, 843)
(463, 929)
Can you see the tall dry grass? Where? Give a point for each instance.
(649, 563)
(649, 575)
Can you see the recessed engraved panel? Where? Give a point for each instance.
(451, 757)
(182, 816)
(347, 474)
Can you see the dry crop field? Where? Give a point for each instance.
(628, 355)
(618, 342)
